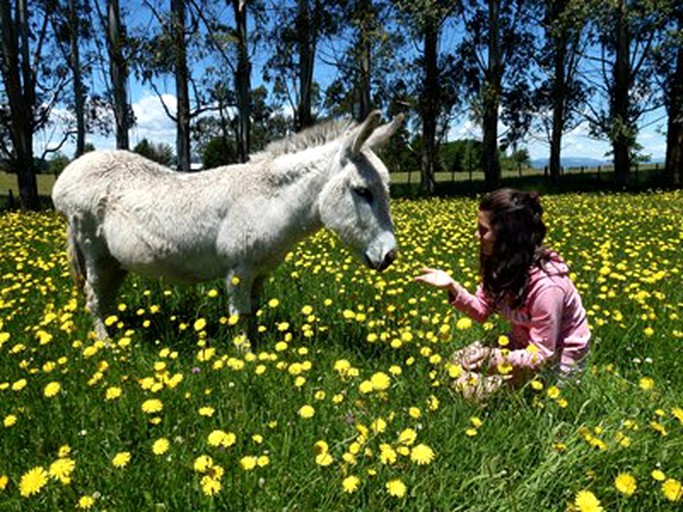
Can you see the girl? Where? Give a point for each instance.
(529, 285)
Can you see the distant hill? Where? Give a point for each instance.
(570, 161)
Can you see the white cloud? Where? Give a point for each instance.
(152, 122)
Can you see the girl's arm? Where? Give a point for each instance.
(544, 331)
(476, 306)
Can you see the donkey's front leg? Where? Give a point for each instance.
(241, 287)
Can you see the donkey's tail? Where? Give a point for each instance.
(76, 260)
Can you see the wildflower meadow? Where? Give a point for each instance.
(344, 401)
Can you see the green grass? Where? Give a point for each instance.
(534, 450)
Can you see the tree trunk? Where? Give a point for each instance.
(674, 133)
(75, 65)
(17, 72)
(429, 105)
(559, 92)
(118, 72)
(364, 64)
(306, 44)
(491, 100)
(242, 82)
(622, 131)
(181, 82)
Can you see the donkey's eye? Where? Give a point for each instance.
(364, 193)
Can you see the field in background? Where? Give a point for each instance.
(345, 402)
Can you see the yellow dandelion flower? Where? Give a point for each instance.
(585, 501)
(202, 463)
(52, 389)
(160, 446)
(324, 459)
(19, 385)
(626, 484)
(407, 437)
(199, 324)
(306, 412)
(210, 486)
(378, 426)
(10, 420)
(64, 451)
(121, 459)
(414, 412)
(422, 454)
(380, 381)
(672, 490)
(350, 484)
(553, 392)
(396, 488)
(463, 323)
(273, 303)
(33, 481)
(113, 393)
(61, 470)
(4, 480)
(206, 411)
(152, 406)
(248, 463)
(646, 383)
(387, 454)
(85, 502)
(262, 461)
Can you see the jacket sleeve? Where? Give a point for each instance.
(545, 326)
(475, 306)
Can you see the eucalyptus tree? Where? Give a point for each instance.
(563, 92)
(627, 33)
(364, 55)
(669, 56)
(495, 60)
(297, 27)
(32, 83)
(426, 20)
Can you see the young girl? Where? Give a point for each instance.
(529, 285)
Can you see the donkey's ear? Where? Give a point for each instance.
(358, 137)
(382, 134)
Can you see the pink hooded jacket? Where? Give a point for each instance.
(552, 319)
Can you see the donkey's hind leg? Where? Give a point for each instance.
(104, 276)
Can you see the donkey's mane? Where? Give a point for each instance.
(314, 136)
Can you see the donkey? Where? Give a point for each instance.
(128, 214)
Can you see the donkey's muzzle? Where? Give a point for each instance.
(388, 260)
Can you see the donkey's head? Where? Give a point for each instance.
(355, 201)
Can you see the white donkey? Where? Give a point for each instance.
(126, 213)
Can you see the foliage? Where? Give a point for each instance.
(217, 152)
(345, 401)
(159, 152)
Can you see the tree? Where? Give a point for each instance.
(627, 33)
(297, 29)
(669, 57)
(562, 93)
(161, 152)
(427, 18)
(496, 62)
(32, 86)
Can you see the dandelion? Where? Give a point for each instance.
(113, 393)
(33, 481)
(586, 501)
(553, 392)
(210, 486)
(672, 490)
(422, 454)
(396, 488)
(202, 463)
(646, 383)
(51, 389)
(380, 381)
(10, 420)
(324, 459)
(160, 446)
(61, 470)
(262, 461)
(306, 412)
(350, 484)
(407, 437)
(4, 480)
(626, 484)
(206, 411)
(658, 475)
(85, 502)
(463, 323)
(199, 324)
(248, 463)
(221, 438)
(121, 459)
(152, 406)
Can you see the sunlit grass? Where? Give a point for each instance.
(344, 402)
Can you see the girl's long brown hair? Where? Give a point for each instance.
(516, 219)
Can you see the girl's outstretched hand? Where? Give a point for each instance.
(435, 277)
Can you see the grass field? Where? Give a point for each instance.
(345, 402)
